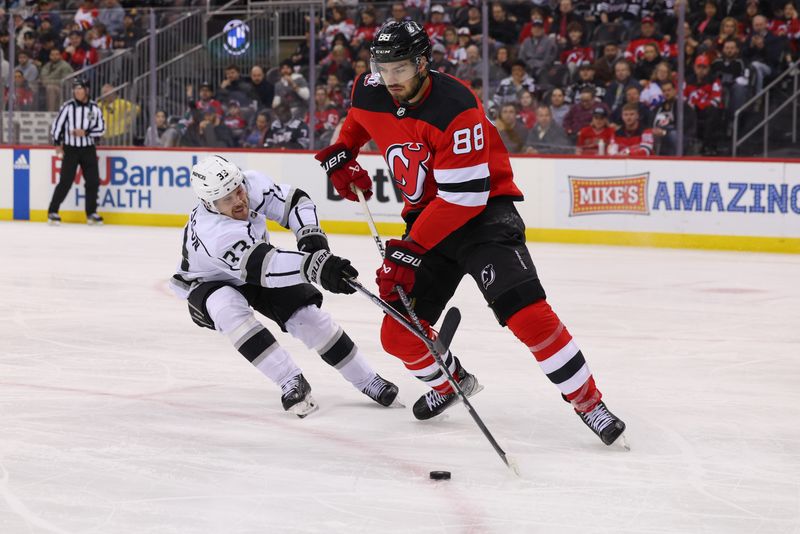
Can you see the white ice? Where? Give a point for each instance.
(119, 415)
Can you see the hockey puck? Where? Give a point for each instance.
(440, 475)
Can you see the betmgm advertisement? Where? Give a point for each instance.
(721, 204)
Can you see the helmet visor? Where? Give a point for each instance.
(396, 72)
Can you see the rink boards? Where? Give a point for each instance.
(716, 204)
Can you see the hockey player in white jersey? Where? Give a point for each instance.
(229, 268)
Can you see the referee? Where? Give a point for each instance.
(74, 131)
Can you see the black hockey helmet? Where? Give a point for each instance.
(396, 41)
(80, 82)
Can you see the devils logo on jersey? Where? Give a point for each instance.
(408, 169)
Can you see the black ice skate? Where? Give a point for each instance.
(53, 219)
(381, 391)
(94, 220)
(297, 397)
(605, 424)
(433, 403)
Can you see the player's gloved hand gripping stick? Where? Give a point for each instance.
(437, 347)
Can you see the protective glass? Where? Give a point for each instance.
(397, 72)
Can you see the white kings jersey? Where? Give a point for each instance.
(218, 248)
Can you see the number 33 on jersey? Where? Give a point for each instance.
(443, 153)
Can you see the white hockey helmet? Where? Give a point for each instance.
(215, 177)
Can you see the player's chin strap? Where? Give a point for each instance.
(436, 353)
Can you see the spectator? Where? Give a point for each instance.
(728, 29)
(337, 63)
(130, 33)
(99, 39)
(286, 132)
(263, 90)
(575, 51)
(207, 101)
(792, 23)
(436, 26)
(235, 122)
(580, 114)
(632, 96)
(191, 136)
(511, 129)
(501, 28)
(536, 15)
(489, 106)
(624, 11)
(257, 135)
(558, 106)
(335, 90)
(472, 67)
(326, 118)
(764, 51)
(663, 72)
(86, 14)
(733, 75)
(47, 43)
(28, 69)
(615, 95)
(510, 89)
(564, 21)
(360, 66)
(291, 89)
(704, 93)
(546, 137)
(28, 44)
(119, 115)
(604, 67)
(527, 109)
(474, 23)
(539, 50)
(79, 54)
(338, 23)
(365, 31)
(439, 62)
(112, 16)
(214, 132)
(633, 138)
(53, 72)
(233, 87)
(23, 93)
(651, 96)
(164, 135)
(752, 10)
(398, 11)
(47, 13)
(594, 138)
(706, 26)
(452, 46)
(647, 64)
(665, 125)
(464, 41)
(499, 66)
(585, 79)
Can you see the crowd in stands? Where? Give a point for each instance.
(53, 39)
(565, 76)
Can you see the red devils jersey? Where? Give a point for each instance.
(638, 142)
(443, 154)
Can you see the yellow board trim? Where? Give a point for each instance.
(784, 245)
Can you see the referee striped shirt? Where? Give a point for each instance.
(77, 116)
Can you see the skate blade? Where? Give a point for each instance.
(305, 407)
(622, 441)
(396, 404)
(53, 223)
(478, 388)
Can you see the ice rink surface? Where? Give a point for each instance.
(119, 415)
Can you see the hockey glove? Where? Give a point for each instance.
(311, 239)
(344, 171)
(399, 267)
(329, 271)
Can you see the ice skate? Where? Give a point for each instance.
(53, 219)
(94, 219)
(382, 391)
(605, 424)
(433, 403)
(297, 397)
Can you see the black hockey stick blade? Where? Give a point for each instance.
(448, 329)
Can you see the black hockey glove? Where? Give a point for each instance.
(329, 271)
(311, 239)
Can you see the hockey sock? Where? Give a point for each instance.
(259, 346)
(414, 354)
(317, 330)
(538, 326)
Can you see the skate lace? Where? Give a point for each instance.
(433, 399)
(599, 418)
(292, 384)
(374, 388)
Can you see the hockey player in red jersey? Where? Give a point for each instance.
(449, 162)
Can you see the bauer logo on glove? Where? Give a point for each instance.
(344, 171)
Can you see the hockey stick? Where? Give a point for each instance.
(437, 350)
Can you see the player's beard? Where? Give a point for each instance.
(404, 96)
